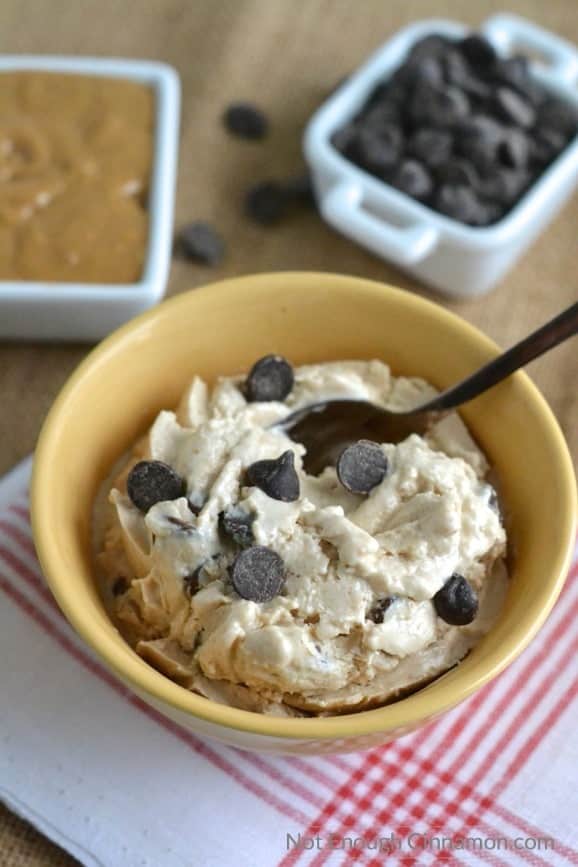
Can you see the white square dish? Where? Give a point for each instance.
(459, 260)
(89, 311)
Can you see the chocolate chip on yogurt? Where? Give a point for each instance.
(238, 526)
(456, 602)
(361, 467)
(378, 609)
(191, 580)
(151, 482)
(180, 524)
(196, 501)
(119, 587)
(277, 478)
(258, 574)
(270, 378)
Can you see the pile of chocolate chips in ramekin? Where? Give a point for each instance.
(459, 128)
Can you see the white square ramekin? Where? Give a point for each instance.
(89, 311)
(459, 260)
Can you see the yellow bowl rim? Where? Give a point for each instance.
(405, 714)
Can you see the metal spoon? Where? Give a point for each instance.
(327, 427)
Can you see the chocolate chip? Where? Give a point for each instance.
(119, 587)
(545, 145)
(258, 574)
(431, 146)
(151, 482)
(276, 478)
(514, 72)
(430, 46)
(456, 602)
(460, 203)
(270, 378)
(456, 172)
(266, 203)
(344, 138)
(378, 151)
(185, 526)
(479, 126)
(477, 50)
(478, 138)
(439, 106)
(416, 69)
(380, 115)
(378, 94)
(412, 178)
(429, 69)
(201, 243)
(560, 116)
(238, 526)
(504, 185)
(362, 466)
(379, 608)
(513, 107)
(458, 72)
(514, 149)
(196, 501)
(246, 121)
(191, 581)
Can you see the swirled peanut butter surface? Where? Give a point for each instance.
(242, 577)
(75, 160)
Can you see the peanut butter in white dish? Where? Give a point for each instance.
(75, 162)
(245, 579)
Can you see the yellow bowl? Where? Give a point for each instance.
(116, 392)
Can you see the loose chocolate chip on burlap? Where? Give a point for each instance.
(200, 242)
(245, 120)
(430, 146)
(266, 203)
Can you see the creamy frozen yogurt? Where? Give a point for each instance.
(243, 578)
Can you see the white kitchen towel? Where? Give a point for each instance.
(118, 785)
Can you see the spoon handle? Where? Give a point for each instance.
(555, 331)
